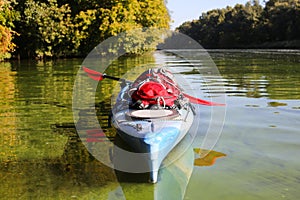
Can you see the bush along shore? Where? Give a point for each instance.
(274, 25)
(61, 28)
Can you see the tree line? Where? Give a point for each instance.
(64, 28)
(274, 25)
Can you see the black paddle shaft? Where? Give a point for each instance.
(114, 78)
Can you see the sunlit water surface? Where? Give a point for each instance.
(41, 157)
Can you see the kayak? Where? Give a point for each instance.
(152, 126)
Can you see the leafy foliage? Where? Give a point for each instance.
(246, 25)
(59, 29)
(49, 27)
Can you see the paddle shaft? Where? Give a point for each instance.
(112, 77)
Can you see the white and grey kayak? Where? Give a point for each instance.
(154, 132)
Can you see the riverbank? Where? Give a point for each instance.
(287, 44)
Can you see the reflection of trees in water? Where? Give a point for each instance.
(8, 119)
(265, 74)
(71, 174)
(77, 160)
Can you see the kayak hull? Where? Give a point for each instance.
(151, 133)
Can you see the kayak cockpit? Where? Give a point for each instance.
(152, 114)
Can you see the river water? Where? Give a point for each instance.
(42, 157)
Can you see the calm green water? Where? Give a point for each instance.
(41, 157)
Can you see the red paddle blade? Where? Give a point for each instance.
(201, 101)
(97, 76)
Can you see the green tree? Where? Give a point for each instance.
(248, 25)
(239, 25)
(282, 18)
(61, 29)
(135, 15)
(46, 30)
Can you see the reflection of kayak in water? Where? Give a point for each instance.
(152, 116)
(173, 178)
